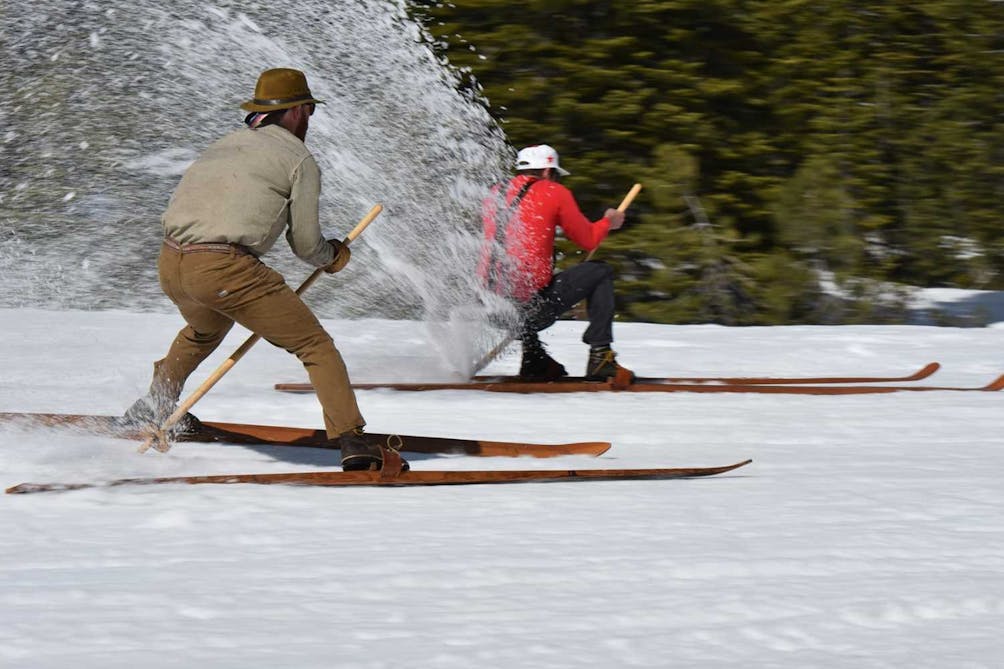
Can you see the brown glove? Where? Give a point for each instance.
(341, 259)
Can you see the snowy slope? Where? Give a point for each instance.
(867, 533)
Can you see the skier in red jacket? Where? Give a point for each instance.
(520, 223)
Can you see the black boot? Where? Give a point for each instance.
(358, 454)
(149, 413)
(537, 364)
(602, 366)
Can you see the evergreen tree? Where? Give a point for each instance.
(861, 144)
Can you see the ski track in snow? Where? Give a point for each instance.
(867, 532)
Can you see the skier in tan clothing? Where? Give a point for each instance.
(228, 210)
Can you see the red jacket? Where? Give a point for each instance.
(528, 237)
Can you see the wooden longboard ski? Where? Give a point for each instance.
(922, 373)
(410, 478)
(277, 435)
(643, 387)
(477, 382)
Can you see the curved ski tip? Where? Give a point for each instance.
(928, 369)
(996, 384)
(710, 471)
(24, 488)
(739, 464)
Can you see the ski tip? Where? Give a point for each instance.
(25, 488)
(996, 384)
(710, 471)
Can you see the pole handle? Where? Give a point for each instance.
(629, 198)
(622, 207)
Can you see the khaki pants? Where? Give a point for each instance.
(212, 291)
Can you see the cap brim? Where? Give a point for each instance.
(560, 170)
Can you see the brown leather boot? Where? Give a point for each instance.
(358, 454)
(602, 366)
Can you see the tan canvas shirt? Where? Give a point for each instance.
(246, 189)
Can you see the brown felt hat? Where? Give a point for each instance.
(280, 88)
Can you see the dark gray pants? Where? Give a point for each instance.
(592, 281)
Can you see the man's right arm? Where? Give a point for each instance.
(577, 227)
(304, 233)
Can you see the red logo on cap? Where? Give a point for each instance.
(550, 159)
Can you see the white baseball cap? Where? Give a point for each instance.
(539, 157)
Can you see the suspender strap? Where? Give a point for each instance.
(502, 220)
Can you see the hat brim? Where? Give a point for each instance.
(260, 106)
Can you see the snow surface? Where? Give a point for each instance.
(867, 532)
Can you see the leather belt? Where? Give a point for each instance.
(213, 247)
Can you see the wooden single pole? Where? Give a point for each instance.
(502, 345)
(622, 207)
(159, 439)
